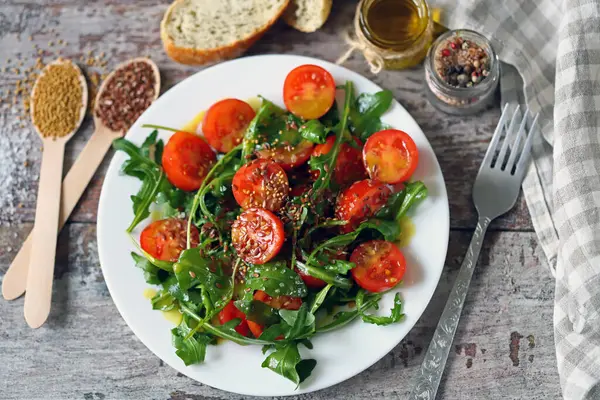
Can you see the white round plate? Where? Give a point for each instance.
(340, 354)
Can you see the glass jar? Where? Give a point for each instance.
(451, 98)
(400, 31)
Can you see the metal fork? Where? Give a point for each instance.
(495, 192)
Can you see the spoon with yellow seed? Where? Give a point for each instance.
(58, 104)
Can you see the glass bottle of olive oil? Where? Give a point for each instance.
(401, 30)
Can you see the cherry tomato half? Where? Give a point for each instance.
(308, 91)
(311, 281)
(260, 183)
(187, 158)
(230, 312)
(316, 283)
(390, 156)
(360, 201)
(257, 235)
(348, 166)
(278, 302)
(288, 156)
(167, 238)
(380, 265)
(225, 123)
(255, 328)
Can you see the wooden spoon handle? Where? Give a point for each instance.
(43, 247)
(73, 187)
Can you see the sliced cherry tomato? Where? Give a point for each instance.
(299, 189)
(225, 123)
(360, 201)
(390, 156)
(230, 312)
(167, 238)
(187, 158)
(279, 302)
(348, 166)
(287, 155)
(255, 328)
(311, 281)
(308, 91)
(380, 265)
(317, 283)
(260, 183)
(257, 235)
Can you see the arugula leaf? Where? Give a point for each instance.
(343, 318)
(395, 316)
(319, 299)
(262, 313)
(339, 266)
(400, 202)
(331, 117)
(313, 131)
(192, 269)
(390, 230)
(164, 265)
(415, 192)
(152, 274)
(328, 276)
(228, 161)
(164, 207)
(365, 113)
(301, 322)
(141, 167)
(272, 332)
(163, 301)
(274, 278)
(152, 148)
(266, 112)
(225, 331)
(325, 163)
(171, 286)
(192, 350)
(286, 361)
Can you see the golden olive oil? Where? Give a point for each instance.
(401, 31)
(407, 231)
(394, 21)
(173, 316)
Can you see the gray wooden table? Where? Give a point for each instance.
(504, 346)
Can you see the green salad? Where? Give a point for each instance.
(272, 226)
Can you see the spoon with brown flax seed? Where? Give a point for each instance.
(83, 169)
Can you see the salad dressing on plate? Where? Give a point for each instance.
(407, 231)
(173, 316)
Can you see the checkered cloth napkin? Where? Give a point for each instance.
(551, 62)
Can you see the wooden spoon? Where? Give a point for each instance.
(74, 185)
(43, 250)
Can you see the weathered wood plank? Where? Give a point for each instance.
(124, 29)
(85, 351)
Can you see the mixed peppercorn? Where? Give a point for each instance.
(461, 62)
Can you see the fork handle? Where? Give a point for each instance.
(429, 376)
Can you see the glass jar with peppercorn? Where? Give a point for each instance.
(462, 72)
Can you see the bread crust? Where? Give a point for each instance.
(194, 56)
(290, 18)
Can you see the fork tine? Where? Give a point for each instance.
(507, 138)
(526, 153)
(516, 146)
(491, 150)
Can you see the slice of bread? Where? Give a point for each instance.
(197, 32)
(307, 15)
